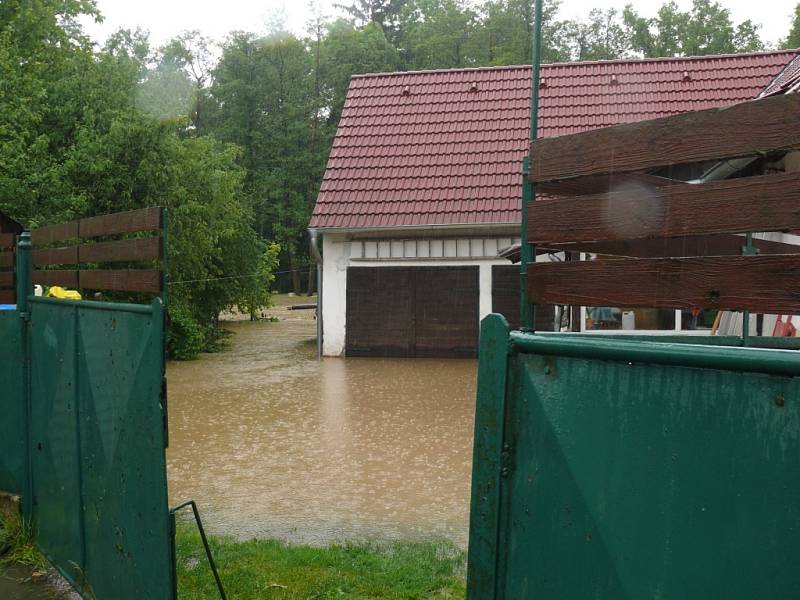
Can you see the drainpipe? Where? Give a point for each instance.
(317, 256)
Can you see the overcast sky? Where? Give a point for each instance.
(166, 18)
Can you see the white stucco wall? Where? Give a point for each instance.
(338, 254)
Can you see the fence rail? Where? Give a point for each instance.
(82, 258)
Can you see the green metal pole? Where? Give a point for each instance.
(748, 250)
(527, 251)
(25, 289)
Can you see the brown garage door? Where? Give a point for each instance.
(412, 311)
(505, 298)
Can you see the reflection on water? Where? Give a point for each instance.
(273, 443)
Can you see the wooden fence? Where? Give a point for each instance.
(585, 170)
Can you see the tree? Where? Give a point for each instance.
(384, 13)
(73, 143)
(439, 34)
(705, 29)
(266, 99)
(506, 32)
(793, 41)
(190, 55)
(601, 36)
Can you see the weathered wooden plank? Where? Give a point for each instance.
(145, 219)
(121, 250)
(63, 278)
(7, 240)
(697, 245)
(601, 184)
(55, 256)
(7, 279)
(765, 284)
(124, 280)
(8, 297)
(739, 130)
(765, 203)
(54, 233)
(6, 259)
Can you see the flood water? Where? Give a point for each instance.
(273, 443)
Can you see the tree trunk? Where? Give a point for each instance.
(295, 274)
(312, 279)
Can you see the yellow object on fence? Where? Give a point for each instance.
(62, 294)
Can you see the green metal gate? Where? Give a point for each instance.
(97, 445)
(13, 424)
(631, 469)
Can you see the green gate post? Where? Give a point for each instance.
(527, 312)
(24, 289)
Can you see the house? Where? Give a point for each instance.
(423, 186)
(9, 225)
(9, 228)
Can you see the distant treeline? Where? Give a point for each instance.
(234, 139)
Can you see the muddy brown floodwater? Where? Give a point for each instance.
(273, 443)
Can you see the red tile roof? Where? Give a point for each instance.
(445, 147)
(788, 79)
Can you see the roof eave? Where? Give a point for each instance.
(423, 227)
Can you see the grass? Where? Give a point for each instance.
(266, 569)
(16, 540)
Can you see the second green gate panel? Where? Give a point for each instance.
(12, 404)
(97, 444)
(621, 469)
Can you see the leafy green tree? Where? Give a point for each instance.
(438, 34)
(267, 102)
(384, 13)
(190, 55)
(601, 36)
(507, 32)
(706, 28)
(74, 143)
(793, 41)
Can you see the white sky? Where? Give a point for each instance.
(215, 19)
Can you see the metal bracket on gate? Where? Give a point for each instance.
(205, 545)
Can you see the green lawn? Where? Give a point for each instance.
(262, 569)
(265, 569)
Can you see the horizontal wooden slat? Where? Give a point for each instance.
(65, 278)
(121, 250)
(7, 240)
(6, 259)
(55, 256)
(55, 233)
(146, 219)
(601, 184)
(765, 203)
(142, 280)
(8, 297)
(704, 245)
(6, 278)
(764, 284)
(739, 130)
